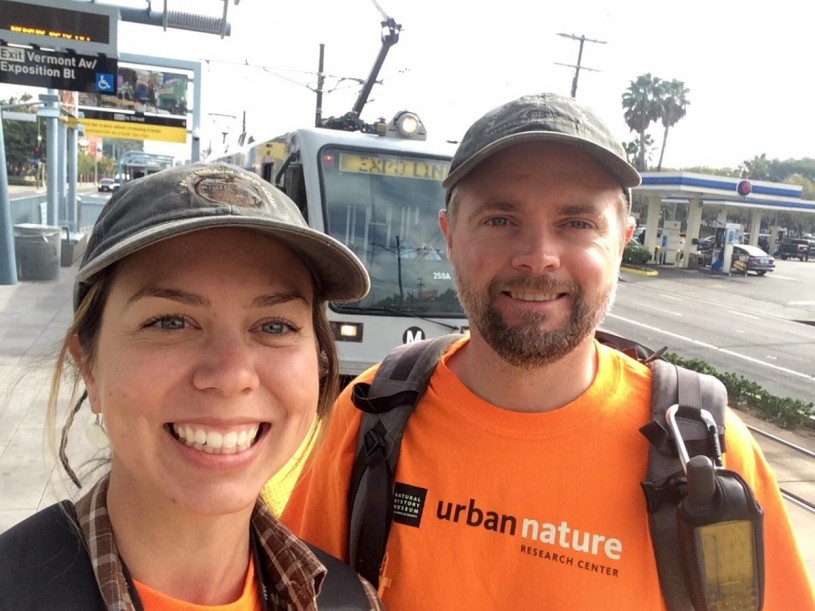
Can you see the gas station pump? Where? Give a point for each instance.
(776, 235)
(726, 237)
(672, 241)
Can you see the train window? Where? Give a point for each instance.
(294, 185)
(384, 207)
(267, 171)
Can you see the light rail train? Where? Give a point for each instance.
(379, 193)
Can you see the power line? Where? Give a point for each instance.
(577, 67)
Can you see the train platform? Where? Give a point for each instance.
(33, 319)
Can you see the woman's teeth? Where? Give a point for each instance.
(216, 442)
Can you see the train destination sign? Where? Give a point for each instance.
(58, 70)
(400, 167)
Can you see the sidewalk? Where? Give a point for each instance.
(33, 318)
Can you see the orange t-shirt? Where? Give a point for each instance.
(156, 601)
(504, 510)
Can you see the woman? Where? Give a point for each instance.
(201, 340)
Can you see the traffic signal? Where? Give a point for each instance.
(37, 152)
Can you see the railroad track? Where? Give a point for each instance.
(807, 504)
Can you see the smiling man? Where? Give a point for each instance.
(518, 480)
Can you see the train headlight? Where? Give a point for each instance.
(347, 331)
(407, 125)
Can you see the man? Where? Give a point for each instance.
(524, 455)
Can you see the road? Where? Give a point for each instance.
(760, 327)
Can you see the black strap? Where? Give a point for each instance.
(44, 564)
(386, 403)
(664, 485)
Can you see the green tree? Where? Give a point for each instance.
(632, 150)
(20, 138)
(758, 168)
(673, 105)
(807, 184)
(641, 106)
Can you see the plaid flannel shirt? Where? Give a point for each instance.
(294, 577)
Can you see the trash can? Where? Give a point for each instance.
(38, 251)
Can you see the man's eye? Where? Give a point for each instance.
(579, 224)
(498, 221)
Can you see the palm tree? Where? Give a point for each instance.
(673, 103)
(641, 109)
(632, 150)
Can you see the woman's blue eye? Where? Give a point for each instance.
(166, 323)
(274, 327)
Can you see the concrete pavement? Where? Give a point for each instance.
(33, 319)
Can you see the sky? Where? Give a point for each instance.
(747, 65)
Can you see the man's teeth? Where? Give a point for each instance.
(215, 442)
(533, 296)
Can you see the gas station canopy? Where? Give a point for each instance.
(698, 190)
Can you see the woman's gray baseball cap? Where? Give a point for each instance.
(200, 196)
(543, 117)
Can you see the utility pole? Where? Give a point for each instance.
(579, 66)
(318, 116)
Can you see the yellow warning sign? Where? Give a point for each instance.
(134, 131)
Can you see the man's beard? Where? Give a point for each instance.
(524, 345)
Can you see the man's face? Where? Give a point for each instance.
(535, 236)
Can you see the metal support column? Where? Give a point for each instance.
(8, 263)
(694, 224)
(652, 223)
(70, 216)
(755, 225)
(62, 172)
(51, 113)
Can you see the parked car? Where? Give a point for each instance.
(794, 248)
(116, 184)
(763, 241)
(105, 184)
(748, 258)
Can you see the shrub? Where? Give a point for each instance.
(745, 394)
(636, 254)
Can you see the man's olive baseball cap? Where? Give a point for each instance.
(200, 196)
(544, 117)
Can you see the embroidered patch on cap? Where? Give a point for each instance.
(228, 191)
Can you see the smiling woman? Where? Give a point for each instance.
(201, 341)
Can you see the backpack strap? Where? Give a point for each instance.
(387, 403)
(665, 483)
(44, 564)
(635, 350)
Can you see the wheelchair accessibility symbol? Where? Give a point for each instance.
(104, 82)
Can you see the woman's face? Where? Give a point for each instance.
(206, 369)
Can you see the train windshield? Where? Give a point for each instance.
(384, 207)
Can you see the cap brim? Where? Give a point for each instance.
(623, 171)
(339, 273)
